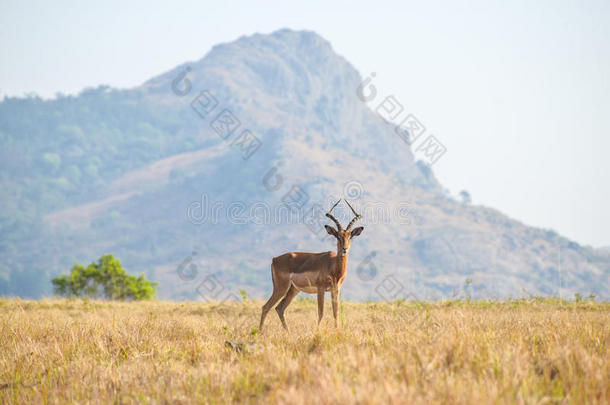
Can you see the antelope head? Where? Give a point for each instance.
(344, 237)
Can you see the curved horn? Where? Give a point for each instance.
(356, 217)
(329, 215)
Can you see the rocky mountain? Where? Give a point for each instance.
(201, 175)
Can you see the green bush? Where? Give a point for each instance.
(104, 279)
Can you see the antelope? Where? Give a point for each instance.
(312, 273)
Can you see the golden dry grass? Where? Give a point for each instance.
(525, 351)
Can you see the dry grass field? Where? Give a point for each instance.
(523, 351)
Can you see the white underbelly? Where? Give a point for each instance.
(304, 282)
(308, 290)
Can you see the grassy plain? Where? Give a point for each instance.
(518, 351)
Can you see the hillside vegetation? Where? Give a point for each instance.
(517, 351)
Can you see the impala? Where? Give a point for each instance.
(312, 272)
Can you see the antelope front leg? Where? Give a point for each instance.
(335, 297)
(320, 304)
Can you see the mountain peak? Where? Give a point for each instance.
(294, 39)
(278, 60)
(295, 80)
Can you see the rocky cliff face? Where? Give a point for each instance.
(269, 131)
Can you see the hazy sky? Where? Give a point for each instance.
(519, 92)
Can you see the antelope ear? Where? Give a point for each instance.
(331, 230)
(357, 231)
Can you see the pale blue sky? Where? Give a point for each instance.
(519, 92)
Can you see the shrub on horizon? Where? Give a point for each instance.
(105, 278)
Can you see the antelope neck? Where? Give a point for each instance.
(341, 266)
